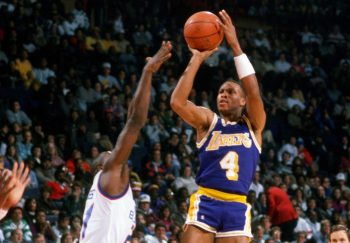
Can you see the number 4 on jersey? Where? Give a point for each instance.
(230, 164)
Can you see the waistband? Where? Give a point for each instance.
(223, 196)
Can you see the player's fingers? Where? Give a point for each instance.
(225, 16)
(169, 45)
(9, 181)
(26, 182)
(6, 174)
(14, 169)
(20, 170)
(24, 176)
(166, 57)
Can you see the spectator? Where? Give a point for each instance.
(322, 235)
(107, 79)
(16, 114)
(155, 165)
(29, 212)
(186, 180)
(155, 131)
(45, 171)
(24, 147)
(80, 16)
(341, 183)
(12, 156)
(289, 147)
(142, 37)
(24, 67)
(145, 209)
(121, 42)
(43, 73)
(165, 217)
(59, 186)
(16, 222)
(43, 226)
(302, 225)
(339, 233)
(179, 217)
(282, 65)
(16, 236)
(39, 238)
(50, 206)
(256, 185)
(313, 222)
(74, 203)
(68, 26)
(86, 95)
(75, 227)
(160, 235)
(281, 211)
(67, 238)
(62, 226)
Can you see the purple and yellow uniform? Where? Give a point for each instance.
(228, 157)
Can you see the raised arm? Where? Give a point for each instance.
(115, 167)
(198, 117)
(246, 73)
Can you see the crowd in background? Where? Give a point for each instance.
(68, 72)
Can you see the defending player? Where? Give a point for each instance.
(229, 146)
(109, 214)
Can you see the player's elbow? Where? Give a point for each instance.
(175, 104)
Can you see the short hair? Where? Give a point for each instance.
(339, 227)
(100, 160)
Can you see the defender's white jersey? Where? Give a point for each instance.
(108, 219)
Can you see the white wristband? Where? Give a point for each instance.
(243, 66)
(3, 213)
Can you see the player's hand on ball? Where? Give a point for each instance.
(228, 28)
(203, 55)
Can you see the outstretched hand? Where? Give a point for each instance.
(12, 185)
(6, 186)
(164, 53)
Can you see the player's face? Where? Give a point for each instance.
(338, 237)
(230, 96)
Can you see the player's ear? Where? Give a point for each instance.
(242, 101)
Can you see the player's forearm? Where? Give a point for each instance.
(138, 108)
(250, 86)
(236, 49)
(183, 88)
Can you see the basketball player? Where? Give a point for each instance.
(339, 233)
(12, 185)
(229, 145)
(109, 214)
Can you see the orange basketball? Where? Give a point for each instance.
(202, 31)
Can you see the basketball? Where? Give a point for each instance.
(202, 31)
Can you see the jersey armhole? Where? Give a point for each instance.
(257, 145)
(107, 195)
(212, 125)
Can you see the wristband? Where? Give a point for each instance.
(3, 213)
(243, 66)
